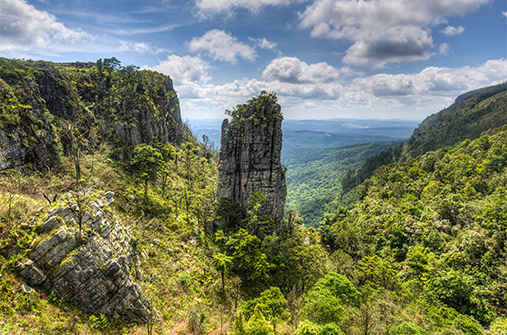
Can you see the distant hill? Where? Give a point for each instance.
(329, 133)
(472, 114)
(313, 176)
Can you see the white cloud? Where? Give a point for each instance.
(292, 70)
(433, 80)
(451, 31)
(504, 14)
(443, 49)
(189, 74)
(395, 44)
(142, 48)
(264, 43)
(207, 8)
(383, 31)
(23, 27)
(222, 46)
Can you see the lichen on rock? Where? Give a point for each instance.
(249, 157)
(93, 269)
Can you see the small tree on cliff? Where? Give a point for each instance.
(146, 164)
(264, 106)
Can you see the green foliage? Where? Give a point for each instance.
(406, 329)
(433, 224)
(263, 107)
(146, 164)
(306, 327)
(340, 287)
(257, 324)
(314, 176)
(471, 115)
(271, 303)
(38, 100)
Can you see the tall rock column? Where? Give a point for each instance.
(249, 158)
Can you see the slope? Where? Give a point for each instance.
(472, 114)
(313, 176)
(439, 221)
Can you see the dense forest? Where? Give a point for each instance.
(419, 248)
(472, 114)
(313, 176)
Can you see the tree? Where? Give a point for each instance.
(146, 164)
(77, 141)
(221, 262)
(257, 324)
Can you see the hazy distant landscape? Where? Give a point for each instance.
(318, 154)
(361, 188)
(322, 133)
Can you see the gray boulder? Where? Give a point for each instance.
(92, 271)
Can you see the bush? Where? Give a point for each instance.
(308, 328)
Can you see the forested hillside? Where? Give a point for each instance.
(313, 176)
(472, 114)
(421, 251)
(434, 226)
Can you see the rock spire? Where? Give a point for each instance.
(249, 160)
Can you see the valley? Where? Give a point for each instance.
(116, 217)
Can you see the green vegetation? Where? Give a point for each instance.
(433, 226)
(262, 107)
(50, 107)
(313, 176)
(472, 114)
(421, 249)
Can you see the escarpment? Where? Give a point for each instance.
(249, 160)
(102, 102)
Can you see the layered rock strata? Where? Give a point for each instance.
(249, 160)
(38, 97)
(92, 270)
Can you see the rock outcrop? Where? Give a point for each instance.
(249, 160)
(90, 268)
(123, 106)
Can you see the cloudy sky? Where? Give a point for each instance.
(324, 58)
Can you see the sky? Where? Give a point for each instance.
(324, 59)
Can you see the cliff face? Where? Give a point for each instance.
(123, 106)
(249, 158)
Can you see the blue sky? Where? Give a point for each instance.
(324, 58)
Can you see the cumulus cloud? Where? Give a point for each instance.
(189, 74)
(222, 46)
(292, 70)
(142, 48)
(23, 27)
(396, 44)
(383, 94)
(244, 88)
(383, 31)
(433, 80)
(443, 49)
(264, 43)
(504, 14)
(207, 8)
(451, 31)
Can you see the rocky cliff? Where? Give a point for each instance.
(106, 102)
(89, 266)
(249, 160)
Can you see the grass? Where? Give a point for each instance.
(177, 275)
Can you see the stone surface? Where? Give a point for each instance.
(250, 160)
(95, 275)
(12, 152)
(49, 95)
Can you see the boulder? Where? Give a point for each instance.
(94, 273)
